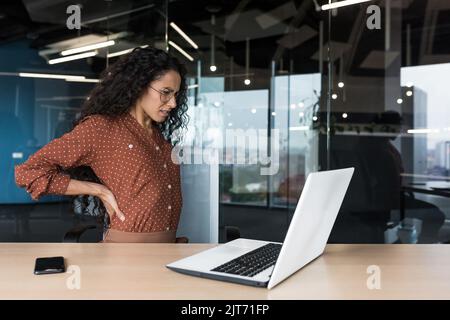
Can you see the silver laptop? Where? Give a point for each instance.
(265, 264)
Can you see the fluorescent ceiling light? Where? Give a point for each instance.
(193, 86)
(88, 47)
(74, 57)
(80, 41)
(301, 128)
(423, 131)
(119, 53)
(343, 3)
(184, 35)
(83, 80)
(50, 76)
(184, 53)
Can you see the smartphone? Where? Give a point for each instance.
(49, 265)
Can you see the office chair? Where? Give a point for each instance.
(74, 234)
(433, 219)
(373, 193)
(232, 233)
(357, 221)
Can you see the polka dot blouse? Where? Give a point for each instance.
(134, 164)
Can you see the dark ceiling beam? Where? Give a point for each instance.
(234, 16)
(48, 28)
(295, 23)
(427, 30)
(355, 37)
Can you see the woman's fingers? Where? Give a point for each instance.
(120, 214)
(117, 210)
(109, 210)
(111, 206)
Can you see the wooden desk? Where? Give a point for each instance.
(137, 271)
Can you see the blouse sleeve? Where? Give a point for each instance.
(41, 173)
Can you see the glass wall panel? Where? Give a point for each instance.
(390, 120)
(277, 90)
(41, 93)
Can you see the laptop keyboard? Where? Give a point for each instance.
(252, 262)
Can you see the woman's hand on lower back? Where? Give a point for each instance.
(110, 203)
(77, 187)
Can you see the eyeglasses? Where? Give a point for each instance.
(166, 96)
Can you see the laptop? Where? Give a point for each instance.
(266, 264)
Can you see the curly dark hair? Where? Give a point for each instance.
(121, 85)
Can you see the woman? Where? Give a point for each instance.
(121, 143)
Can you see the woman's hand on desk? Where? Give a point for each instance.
(110, 203)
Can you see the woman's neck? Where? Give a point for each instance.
(142, 119)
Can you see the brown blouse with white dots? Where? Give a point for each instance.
(134, 164)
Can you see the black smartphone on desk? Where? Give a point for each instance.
(49, 265)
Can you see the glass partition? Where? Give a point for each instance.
(45, 75)
(389, 97)
(277, 90)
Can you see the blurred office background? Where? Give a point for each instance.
(365, 85)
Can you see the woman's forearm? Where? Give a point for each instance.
(77, 187)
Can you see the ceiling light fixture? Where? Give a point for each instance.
(83, 80)
(88, 47)
(184, 35)
(49, 76)
(339, 4)
(74, 57)
(341, 72)
(247, 61)
(119, 53)
(184, 53)
(300, 128)
(213, 67)
(423, 130)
